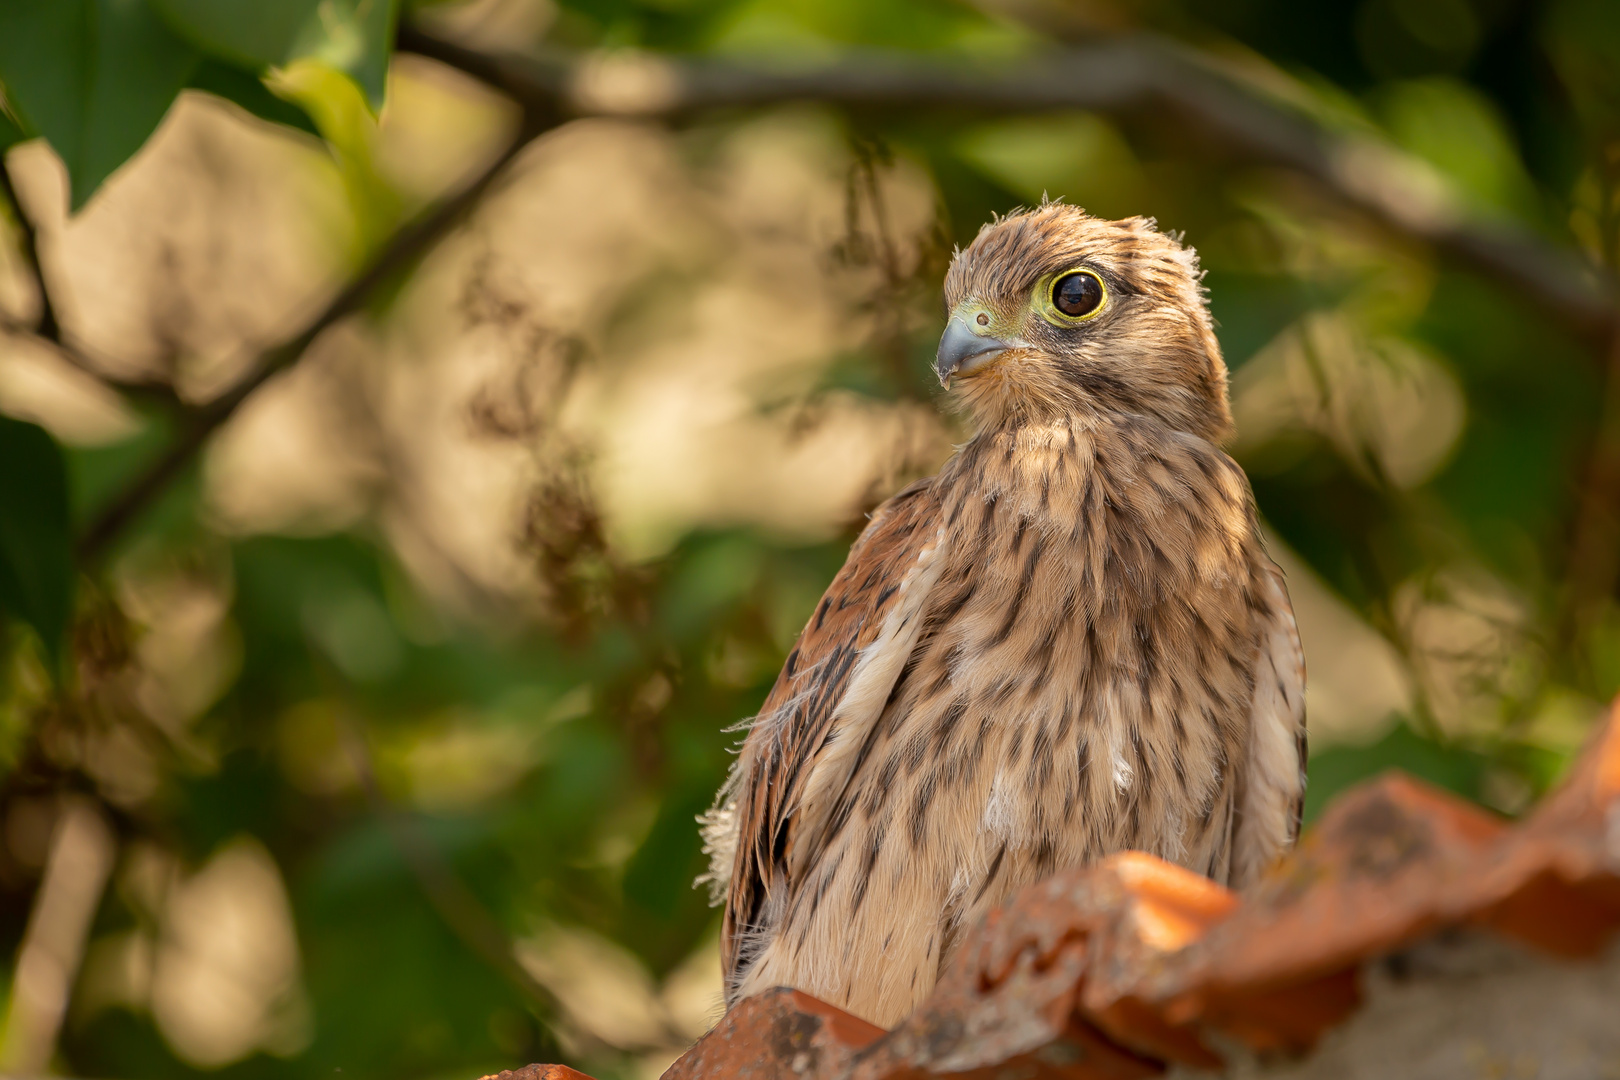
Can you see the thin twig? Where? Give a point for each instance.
(60, 919)
(1594, 551)
(1116, 75)
(412, 241)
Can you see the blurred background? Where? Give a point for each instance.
(426, 430)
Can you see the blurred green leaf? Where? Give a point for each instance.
(10, 134)
(37, 577)
(1456, 769)
(353, 36)
(709, 573)
(1077, 157)
(356, 37)
(1583, 40)
(1604, 652)
(252, 33)
(93, 76)
(1457, 130)
(658, 879)
(1251, 309)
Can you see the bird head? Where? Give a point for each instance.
(1053, 312)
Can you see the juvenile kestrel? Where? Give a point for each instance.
(1068, 643)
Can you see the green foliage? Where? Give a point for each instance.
(550, 754)
(95, 77)
(10, 134)
(37, 576)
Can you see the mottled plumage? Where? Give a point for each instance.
(1068, 643)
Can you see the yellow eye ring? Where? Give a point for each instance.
(1071, 297)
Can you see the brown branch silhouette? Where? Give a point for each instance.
(1118, 74)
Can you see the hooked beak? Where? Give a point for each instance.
(962, 350)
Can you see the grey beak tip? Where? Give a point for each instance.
(959, 346)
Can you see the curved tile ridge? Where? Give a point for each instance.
(1011, 1000)
(1132, 965)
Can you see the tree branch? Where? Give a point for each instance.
(1115, 75)
(407, 245)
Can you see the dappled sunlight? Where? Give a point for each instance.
(609, 996)
(253, 233)
(438, 128)
(1357, 684)
(225, 975)
(76, 863)
(1390, 408)
(296, 460)
(1470, 637)
(359, 699)
(37, 384)
(693, 408)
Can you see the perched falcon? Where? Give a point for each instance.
(1069, 642)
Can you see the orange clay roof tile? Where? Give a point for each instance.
(1122, 969)
(538, 1072)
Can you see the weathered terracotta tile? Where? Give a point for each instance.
(1017, 1011)
(538, 1072)
(1366, 877)
(783, 1033)
(1113, 972)
(1556, 878)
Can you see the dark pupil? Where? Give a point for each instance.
(1077, 295)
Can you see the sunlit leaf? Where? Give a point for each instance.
(93, 76)
(352, 36)
(1457, 130)
(1077, 157)
(341, 115)
(355, 37)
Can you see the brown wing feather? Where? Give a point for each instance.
(798, 716)
(1274, 787)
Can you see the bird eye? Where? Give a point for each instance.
(1078, 295)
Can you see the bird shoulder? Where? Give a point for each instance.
(802, 746)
